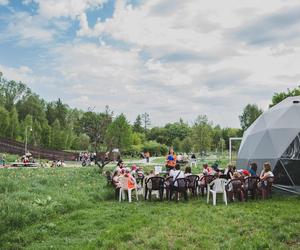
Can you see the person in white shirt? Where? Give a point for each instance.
(177, 174)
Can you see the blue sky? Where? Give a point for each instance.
(170, 58)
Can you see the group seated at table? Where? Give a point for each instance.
(240, 184)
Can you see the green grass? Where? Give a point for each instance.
(72, 208)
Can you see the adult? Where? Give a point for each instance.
(229, 171)
(171, 160)
(265, 173)
(187, 171)
(193, 160)
(207, 170)
(177, 174)
(147, 156)
(252, 169)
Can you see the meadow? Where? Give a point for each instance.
(73, 208)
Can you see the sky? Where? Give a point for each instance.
(170, 58)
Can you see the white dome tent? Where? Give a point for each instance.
(275, 137)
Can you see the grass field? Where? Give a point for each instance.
(72, 208)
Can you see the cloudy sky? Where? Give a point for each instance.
(170, 58)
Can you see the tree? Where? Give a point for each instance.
(178, 130)
(278, 97)
(119, 133)
(57, 136)
(250, 114)
(57, 110)
(14, 125)
(202, 134)
(4, 121)
(95, 126)
(186, 145)
(81, 142)
(12, 92)
(137, 126)
(146, 121)
(31, 105)
(176, 144)
(46, 134)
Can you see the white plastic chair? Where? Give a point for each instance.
(218, 188)
(124, 187)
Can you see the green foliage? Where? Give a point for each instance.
(57, 136)
(176, 144)
(119, 133)
(250, 113)
(31, 105)
(186, 145)
(155, 148)
(14, 125)
(4, 121)
(81, 142)
(278, 97)
(12, 92)
(145, 121)
(202, 134)
(137, 125)
(95, 126)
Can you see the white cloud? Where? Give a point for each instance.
(4, 2)
(27, 29)
(66, 8)
(171, 58)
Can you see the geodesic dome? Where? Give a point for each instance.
(275, 137)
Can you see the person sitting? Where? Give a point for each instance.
(244, 173)
(119, 166)
(207, 170)
(229, 171)
(265, 173)
(252, 169)
(215, 167)
(187, 171)
(116, 183)
(177, 174)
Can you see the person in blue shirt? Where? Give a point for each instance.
(252, 169)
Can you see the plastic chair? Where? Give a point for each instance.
(193, 183)
(180, 185)
(204, 181)
(265, 186)
(124, 187)
(250, 186)
(218, 187)
(234, 189)
(154, 183)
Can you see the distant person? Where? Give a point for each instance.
(193, 160)
(147, 156)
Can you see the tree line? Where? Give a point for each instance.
(55, 125)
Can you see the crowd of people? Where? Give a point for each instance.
(137, 178)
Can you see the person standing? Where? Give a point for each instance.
(171, 160)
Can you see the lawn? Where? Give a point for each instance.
(72, 208)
